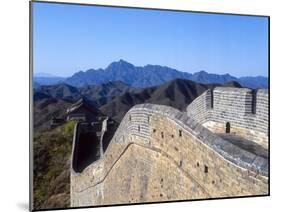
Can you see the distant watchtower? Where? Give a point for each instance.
(83, 111)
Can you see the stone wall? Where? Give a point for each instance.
(160, 154)
(234, 105)
(199, 109)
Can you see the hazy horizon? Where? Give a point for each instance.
(71, 38)
(46, 74)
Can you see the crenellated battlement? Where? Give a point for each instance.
(244, 110)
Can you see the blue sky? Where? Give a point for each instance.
(70, 38)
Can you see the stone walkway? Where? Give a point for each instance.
(245, 144)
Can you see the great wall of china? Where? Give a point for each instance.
(159, 153)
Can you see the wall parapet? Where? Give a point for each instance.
(227, 150)
(242, 107)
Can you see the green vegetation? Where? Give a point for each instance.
(52, 151)
(69, 127)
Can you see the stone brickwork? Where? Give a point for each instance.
(161, 154)
(234, 105)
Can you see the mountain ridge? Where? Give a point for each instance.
(114, 99)
(152, 75)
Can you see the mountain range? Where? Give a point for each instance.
(114, 99)
(146, 76)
